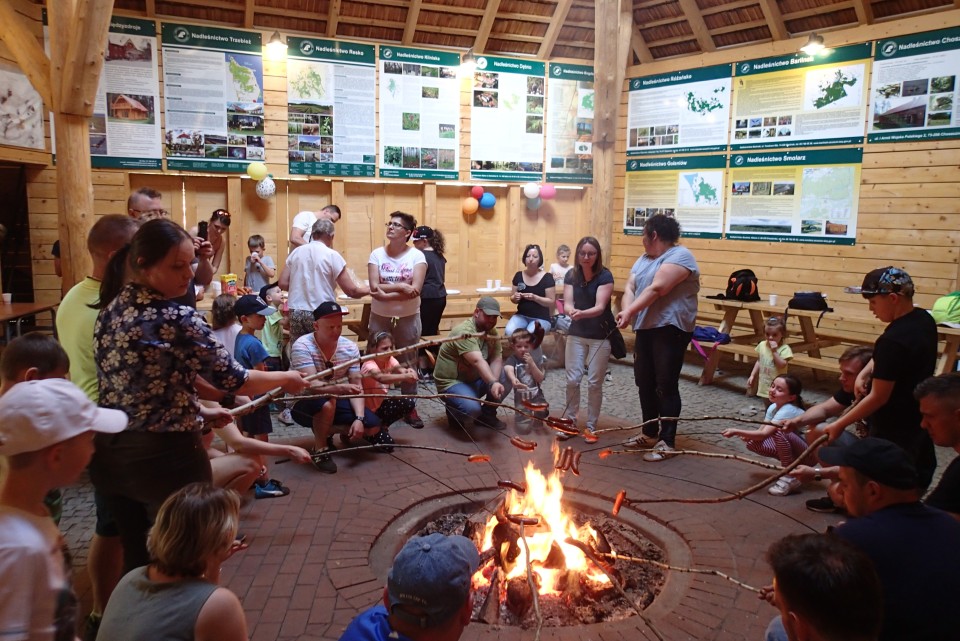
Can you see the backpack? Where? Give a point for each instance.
(810, 301)
(742, 285)
(946, 309)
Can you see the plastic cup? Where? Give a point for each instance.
(496, 283)
(7, 299)
(489, 283)
(216, 287)
(773, 300)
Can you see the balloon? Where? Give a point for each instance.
(547, 192)
(257, 170)
(470, 205)
(476, 191)
(266, 188)
(533, 204)
(488, 200)
(531, 190)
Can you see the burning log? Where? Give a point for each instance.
(505, 543)
(490, 610)
(519, 596)
(603, 545)
(555, 559)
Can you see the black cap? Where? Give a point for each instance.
(886, 280)
(267, 288)
(878, 459)
(329, 308)
(422, 233)
(250, 304)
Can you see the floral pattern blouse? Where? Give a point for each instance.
(149, 351)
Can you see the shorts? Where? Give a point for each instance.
(304, 410)
(106, 525)
(257, 422)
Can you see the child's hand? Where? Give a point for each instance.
(773, 344)
(519, 386)
(728, 433)
(528, 359)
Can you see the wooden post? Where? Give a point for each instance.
(614, 25)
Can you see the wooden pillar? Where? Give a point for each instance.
(614, 25)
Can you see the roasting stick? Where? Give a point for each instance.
(676, 568)
(532, 583)
(679, 419)
(730, 457)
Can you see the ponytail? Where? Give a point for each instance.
(114, 277)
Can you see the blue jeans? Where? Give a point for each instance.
(775, 631)
(658, 359)
(463, 407)
(518, 321)
(586, 356)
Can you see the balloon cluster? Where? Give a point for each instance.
(266, 188)
(478, 199)
(537, 193)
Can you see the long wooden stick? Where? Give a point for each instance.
(681, 419)
(731, 457)
(532, 584)
(676, 568)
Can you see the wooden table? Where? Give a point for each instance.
(13, 314)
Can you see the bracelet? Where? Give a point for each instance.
(818, 476)
(358, 418)
(228, 400)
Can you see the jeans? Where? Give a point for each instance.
(463, 407)
(658, 359)
(775, 631)
(518, 321)
(586, 356)
(406, 332)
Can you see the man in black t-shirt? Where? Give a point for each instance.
(904, 355)
(939, 398)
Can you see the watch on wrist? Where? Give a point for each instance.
(358, 418)
(228, 400)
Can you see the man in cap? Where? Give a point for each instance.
(904, 355)
(939, 398)
(428, 593)
(322, 349)
(46, 441)
(472, 366)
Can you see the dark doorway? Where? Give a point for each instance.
(16, 266)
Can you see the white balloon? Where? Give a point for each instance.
(531, 190)
(266, 188)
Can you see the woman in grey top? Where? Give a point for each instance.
(661, 298)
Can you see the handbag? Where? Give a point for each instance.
(618, 348)
(809, 301)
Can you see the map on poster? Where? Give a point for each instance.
(21, 110)
(331, 107)
(801, 100)
(419, 113)
(506, 119)
(796, 196)
(915, 90)
(679, 112)
(213, 94)
(689, 188)
(570, 123)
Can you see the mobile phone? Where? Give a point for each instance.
(202, 229)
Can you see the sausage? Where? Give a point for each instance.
(478, 458)
(604, 453)
(561, 460)
(575, 464)
(521, 444)
(618, 502)
(520, 519)
(510, 485)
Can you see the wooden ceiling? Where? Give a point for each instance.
(544, 29)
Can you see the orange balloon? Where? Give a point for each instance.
(470, 205)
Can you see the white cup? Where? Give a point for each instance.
(496, 283)
(773, 300)
(216, 287)
(7, 299)
(489, 283)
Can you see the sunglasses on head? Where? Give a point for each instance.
(223, 215)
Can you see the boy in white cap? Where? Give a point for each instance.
(46, 440)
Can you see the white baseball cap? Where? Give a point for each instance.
(38, 414)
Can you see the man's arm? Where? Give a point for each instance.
(878, 396)
(815, 415)
(349, 286)
(489, 372)
(297, 237)
(284, 280)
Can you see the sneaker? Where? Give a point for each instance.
(90, 627)
(324, 463)
(661, 451)
(413, 420)
(563, 436)
(383, 441)
(785, 485)
(824, 505)
(590, 437)
(269, 489)
(491, 421)
(286, 417)
(608, 377)
(636, 442)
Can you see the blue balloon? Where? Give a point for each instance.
(533, 204)
(488, 200)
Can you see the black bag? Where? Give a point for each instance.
(742, 285)
(618, 348)
(809, 301)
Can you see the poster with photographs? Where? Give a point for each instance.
(506, 119)
(331, 108)
(125, 125)
(806, 196)
(679, 112)
(213, 94)
(688, 188)
(21, 110)
(570, 124)
(915, 89)
(801, 100)
(419, 113)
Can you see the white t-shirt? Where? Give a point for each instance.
(314, 269)
(227, 336)
(37, 601)
(304, 220)
(396, 270)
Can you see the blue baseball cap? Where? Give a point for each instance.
(430, 579)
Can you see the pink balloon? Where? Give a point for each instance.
(476, 191)
(547, 192)
(470, 205)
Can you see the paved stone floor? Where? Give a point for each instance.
(308, 569)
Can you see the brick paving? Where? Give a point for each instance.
(308, 572)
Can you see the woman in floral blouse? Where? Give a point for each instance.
(149, 352)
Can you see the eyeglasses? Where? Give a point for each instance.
(151, 214)
(396, 226)
(587, 254)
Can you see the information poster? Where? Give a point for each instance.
(800, 100)
(679, 112)
(21, 110)
(506, 120)
(419, 113)
(795, 196)
(688, 188)
(331, 107)
(915, 89)
(570, 124)
(213, 93)
(125, 126)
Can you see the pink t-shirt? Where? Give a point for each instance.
(372, 385)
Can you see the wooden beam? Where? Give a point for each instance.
(460, 11)
(819, 11)
(550, 38)
(151, 8)
(775, 23)
(864, 11)
(80, 74)
(26, 50)
(248, 12)
(699, 27)
(640, 48)
(413, 16)
(333, 18)
(732, 28)
(729, 6)
(486, 25)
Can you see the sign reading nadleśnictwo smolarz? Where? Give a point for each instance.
(679, 112)
(570, 123)
(506, 136)
(915, 88)
(801, 100)
(213, 93)
(419, 113)
(806, 196)
(331, 107)
(125, 126)
(688, 188)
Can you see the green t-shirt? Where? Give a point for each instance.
(452, 367)
(75, 323)
(272, 334)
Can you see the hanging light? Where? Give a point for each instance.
(276, 46)
(468, 62)
(814, 45)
